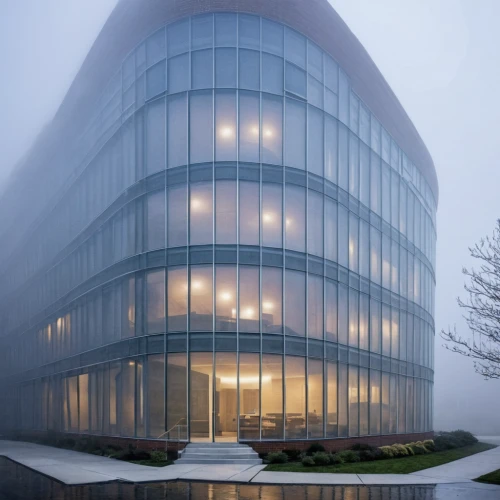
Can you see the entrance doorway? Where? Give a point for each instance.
(213, 397)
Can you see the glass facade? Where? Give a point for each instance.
(248, 255)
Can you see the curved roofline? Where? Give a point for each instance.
(130, 23)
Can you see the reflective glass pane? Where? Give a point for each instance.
(249, 378)
(272, 37)
(155, 293)
(315, 224)
(226, 397)
(375, 394)
(331, 311)
(295, 47)
(178, 37)
(201, 127)
(225, 126)
(225, 68)
(201, 396)
(225, 298)
(249, 213)
(202, 72)
(201, 298)
(295, 80)
(156, 220)
(272, 130)
(353, 317)
(202, 31)
(177, 216)
(178, 74)
(295, 311)
(295, 134)
(315, 307)
(200, 222)
(226, 29)
(177, 127)
(272, 309)
(225, 212)
(295, 217)
(272, 396)
(249, 69)
(249, 313)
(155, 136)
(176, 397)
(295, 387)
(249, 132)
(315, 148)
(272, 215)
(272, 74)
(353, 401)
(315, 398)
(155, 385)
(249, 31)
(177, 299)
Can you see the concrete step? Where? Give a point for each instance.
(218, 453)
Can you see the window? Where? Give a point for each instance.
(177, 299)
(249, 378)
(272, 396)
(156, 220)
(202, 69)
(201, 127)
(272, 215)
(272, 130)
(249, 312)
(156, 393)
(202, 35)
(353, 318)
(272, 310)
(249, 213)
(295, 47)
(225, 29)
(331, 311)
(295, 311)
(249, 69)
(155, 136)
(315, 142)
(375, 321)
(249, 31)
(225, 116)
(176, 397)
(249, 132)
(201, 225)
(225, 216)
(201, 298)
(272, 37)
(353, 401)
(177, 216)
(315, 398)
(295, 387)
(225, 298)
(272, 74)
(177, 127)
(295, 80)
(225, 68)
(155, 293)
(295, 218)
(178, 38)
(295, 134)
(315, 307)
(178, 74)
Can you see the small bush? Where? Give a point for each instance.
(362, 447)
(308, 461)
(387, 452)
(370, 455)
(399, 450)
(321, 458)
(429, 444)
(335, 459)
(277, 458)
(465, 438)
(293, 455)
(419, 448)
(158, 456)
(314, 448)
(410, 450)
(349, 456)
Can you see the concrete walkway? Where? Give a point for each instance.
(72, 467)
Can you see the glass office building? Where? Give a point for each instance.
(234, 238)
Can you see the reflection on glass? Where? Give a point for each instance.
(272, 215)
(353, 318)
(249, 132)
(342, 400)
(375, 401)
(225, 212)
(177, 147)
(249, 377)
(331, 400)
(272, 396)
(295, 218)
(200, 219)
(83, 403)
(272, 310)
(201, 298)
(225, 126)
(331, 311)
(127, 398)
(353, 401)
(156, 220)
(295, 386)
(364, 306)
(315, 398)
(225, 298)
(295, 134)
(363, 402)
(177, 299)
(386, 330)
(249, 299)
(295, 311)
(155, 136)
(385, 403)
(272, 130)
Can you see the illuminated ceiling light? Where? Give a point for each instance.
(245, 380)
(196, 285)
(268, 132)
(131, 363)
(196, 204)
(233, 312)
(254, 130)
(268, 217)
(268, 306)
(226, 132)
(289, 222)
(225, 296)
(248, 313)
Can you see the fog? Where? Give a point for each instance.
(441, 60)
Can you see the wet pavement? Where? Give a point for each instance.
(20, 483)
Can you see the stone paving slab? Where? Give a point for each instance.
(247, 475)
(268, 477)
(73, 475)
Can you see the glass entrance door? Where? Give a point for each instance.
(226, 397)
(201, 397)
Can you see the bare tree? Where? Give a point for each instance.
(482, 309)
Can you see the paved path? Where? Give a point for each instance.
(72, 467)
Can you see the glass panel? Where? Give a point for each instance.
(272, 215)
(295, 47)
(395, 333)
(83, 393)
(249, 131)
(343, 313)
(353, 401)
(177, 299)
(155, 286)
(178, 74)
(386, 261)
(128, 307)
(295, 80)
(331, 311)
(295, 311)
(249, 378)
(114, 397)
(156, 395)
(295, 387)
(272, 130)
(295, 134)
(363, 402)
(225, 29)
(353, 318)
(225, 212)
(353, 165)
(315, 224)
(201, 396)
(225, 115)
(374, 402)
(202, 35)
(225, 298)
(315, 307)
(177, 397)
(226, 397)
(272, 309)
(331, 149)
(177, 216)
(178, 38)
(201, 298)
(331, 400)
(155, 136)
(315, 148)
(343, 400)
(202, 74)
(343, 232)
(364, 305)
(225, 68)
(272, 37)
(249, 69)
(386, 330)
(272, 396)
(249, 312)
(385, 403)
(272, 74)
(315, 398)
(155, 47)
(375, 255)
(249, 31)
(295, 218)
(364, 249)
(330, 229)
(127, 399)
(375, 319)
(353, 242)
(393, 409)
(156, 220)
(177, 128)
(156, 81)
(249, 213)
(201, 127)
(201, 224)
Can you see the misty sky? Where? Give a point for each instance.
(441, 60)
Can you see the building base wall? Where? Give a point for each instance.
(331, 445)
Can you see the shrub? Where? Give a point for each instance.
(158, 456)
(277, 457)
(292, 455)
(362, 447)
(308, 461)
(387, 452)
(321, 458)
(399, 450)
(445, 441)
(335, 459)
(315, 447)
(465, 438)
(429, 444)
(349, 456)
(410, 450)
(419, 448)
(370, 455)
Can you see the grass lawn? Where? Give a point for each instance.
(491, 478)
(150, 463)
(391, 466)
